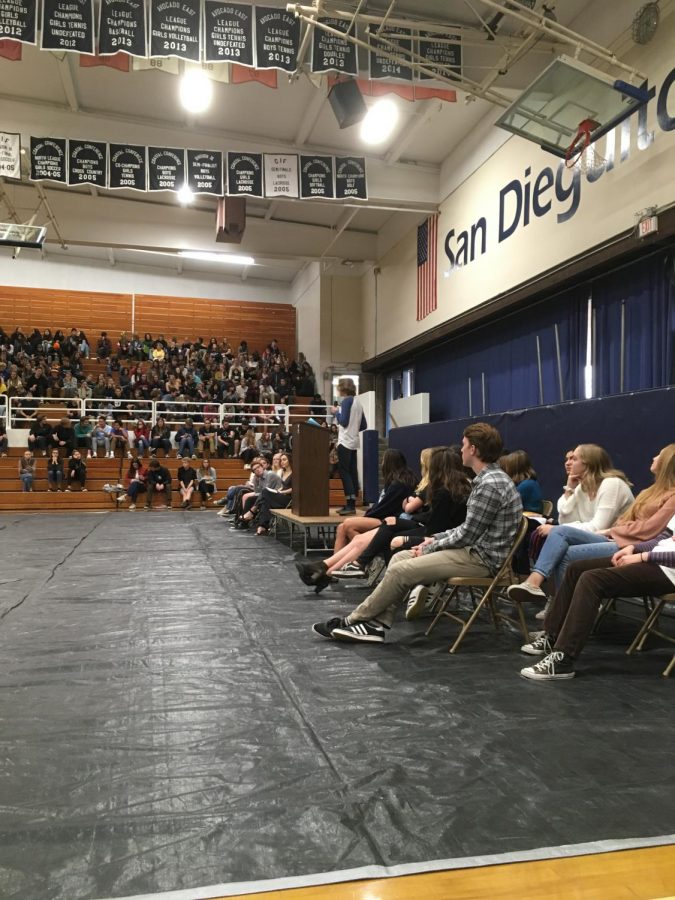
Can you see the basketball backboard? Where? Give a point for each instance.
(29, 236)
(567, 92)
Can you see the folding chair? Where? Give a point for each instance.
(649, 627)
(547, 508)
(489, 588)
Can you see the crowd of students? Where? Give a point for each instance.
(169, 371)
(462, 520)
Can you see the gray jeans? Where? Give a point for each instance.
(406, 570)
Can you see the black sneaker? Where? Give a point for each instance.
(542, 645)
(370, 632)
(557, 666)
(325, 629)
(351, 570)
(347, 511)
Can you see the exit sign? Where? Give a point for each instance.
(648, 226)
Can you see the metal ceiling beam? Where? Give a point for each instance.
(410, 58)
(515, 9)
(430, 108)
(310, 117)
(342, 223)
(67, 81)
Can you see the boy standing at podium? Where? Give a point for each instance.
(351, 420)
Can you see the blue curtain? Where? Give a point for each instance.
(504, 354)
(646, 294)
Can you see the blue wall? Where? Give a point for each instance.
(631, 427)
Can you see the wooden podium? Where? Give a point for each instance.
(310, 470)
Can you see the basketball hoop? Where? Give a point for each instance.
(581, 153)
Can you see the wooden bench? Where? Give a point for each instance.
(325, 526)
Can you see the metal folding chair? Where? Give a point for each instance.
(484, 591)
(649, 627)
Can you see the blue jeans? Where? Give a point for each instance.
(27, 479)
(186, 442)
(566, 544)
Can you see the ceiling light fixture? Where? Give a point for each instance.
(379, 122)
(185, 195)
(196, 91)
(233, 259)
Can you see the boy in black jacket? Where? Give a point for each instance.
(159, 480)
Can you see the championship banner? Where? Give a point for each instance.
(277, 38)
(441, 50)
(127, 167)
(331, 53)
(382, 66)
(205, 172)
(166, 169)
(281, 175)
(68, 25)
(17, 20)
(121, 26)
(175, 28)
(317, 174)
(48, 159)
(244, 175)
(88, 163)
(10, 155)
(228, 32)
(350, 178)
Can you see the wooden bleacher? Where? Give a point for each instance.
(101, 471)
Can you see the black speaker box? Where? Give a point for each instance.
(230, 220)
(347, 103)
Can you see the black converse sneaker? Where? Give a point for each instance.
(370, 632)
(325, 629)
(557, 666)
(540, 646)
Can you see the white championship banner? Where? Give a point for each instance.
(10, 155)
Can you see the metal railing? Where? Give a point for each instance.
(19, 412)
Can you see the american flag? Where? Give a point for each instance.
(427, 258)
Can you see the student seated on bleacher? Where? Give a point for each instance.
(186, 440)
(54, 471)
(119, 437)
(187, 482)
(27, 466)
(40, 434)
(3, 441)
(160, 437)
(643, 569)
(100, 437)
(206, 481)
(136, 479)
(159, 482)
(77, 471)
(82, 433)
(477, 547)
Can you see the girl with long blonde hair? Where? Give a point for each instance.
(606, 488)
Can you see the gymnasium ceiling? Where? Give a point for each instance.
(50, 95)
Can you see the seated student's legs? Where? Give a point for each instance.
(570, 619)
(27, 481)
(581, 552)
(206, 489)
(348, 530)
(406, 571)
(558, 542)
(135, 488)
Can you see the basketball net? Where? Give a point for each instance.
(582, 153)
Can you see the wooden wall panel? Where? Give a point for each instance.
(192, 317)
(257, 323)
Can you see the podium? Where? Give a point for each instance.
(310, 470)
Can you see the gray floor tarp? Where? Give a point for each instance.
(169, 720)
